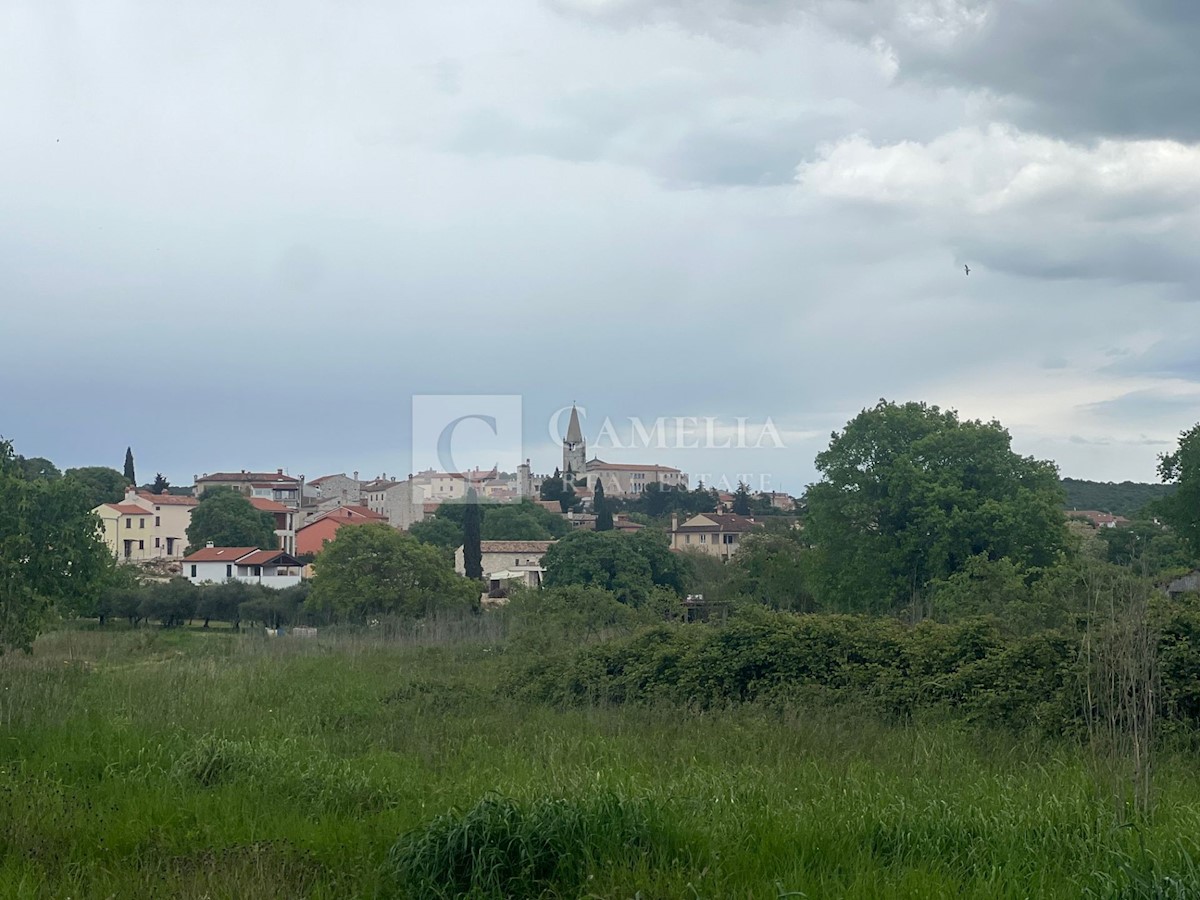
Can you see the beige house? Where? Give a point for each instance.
(717, 534)
(630, 479)
(146, 526)
(509, 561)
(400, 502)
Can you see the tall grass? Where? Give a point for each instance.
(177, 763)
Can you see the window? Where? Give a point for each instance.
(129, 522)
(142, 522)
(193, 571)
(141, 545)
(704, 538)
(157, 543)
(157, 521)
(258, 570)
(687, 538)
(229, 571)
(730, 538)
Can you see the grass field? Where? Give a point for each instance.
(154, 763)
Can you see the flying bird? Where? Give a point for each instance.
(967, 269)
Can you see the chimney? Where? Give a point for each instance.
(674, 521)
(208, 544)
(279, 471)
(356, 474)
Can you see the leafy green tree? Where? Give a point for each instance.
(50, 550)
(631, 566)
(172, 602)
(223, 601)
(130, 476)
(1181, 510)
(472, 523)
(604, 519)
(741, 499)
(513, 521)
(1148, 547)
(37, 468)
(374, 569)
(228, 519)
(769, 568)
(439, 531)
(276, 608)
(103, 485)
(557, 488)
(910, 493)
(160, 484)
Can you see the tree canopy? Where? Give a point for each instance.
(376, 570)
(50, 549)
(631, 566)
(130, 475)
(228, 519)
(910, 493)
(103, 485)
(1181, 510)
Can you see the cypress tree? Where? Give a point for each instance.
(472, 552)
(130, 478)
(604, 520)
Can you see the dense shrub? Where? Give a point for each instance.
(502, 847)
(892, 668)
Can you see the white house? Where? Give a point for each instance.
(272, 568)
(508, 560)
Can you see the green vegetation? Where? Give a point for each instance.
(228, 519)
(1127, 498)
(909, 493)
(50, 552)
(104, 485)
(182, 763)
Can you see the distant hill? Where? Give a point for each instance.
(1124, 499)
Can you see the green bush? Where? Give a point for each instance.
(502, 847)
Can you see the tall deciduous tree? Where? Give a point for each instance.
(130, 476)
(629, 565)
(1181, 510)
(102, 484)
(375, 569)
(50, 550)
(604, 519)
(472, 552)
(228, 519)
(910, 493)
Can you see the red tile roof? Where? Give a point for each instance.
(268, 505)
(349, 513)
(721, 522)
(246, 476)
(128, 509)
(599, 464)
(168, 499)
(267, 557)
(219, 554)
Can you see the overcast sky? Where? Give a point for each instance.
(244, 235)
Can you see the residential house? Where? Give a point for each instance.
(717, 534)
(317, 532)
(145, 526)
(1098, 519)
(398, 501)
(270, 568)
(276, 486)
(285, 521)
(508, 561)
(346, 490)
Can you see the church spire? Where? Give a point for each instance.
(574, 432)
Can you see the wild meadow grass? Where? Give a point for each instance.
(152, 763)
